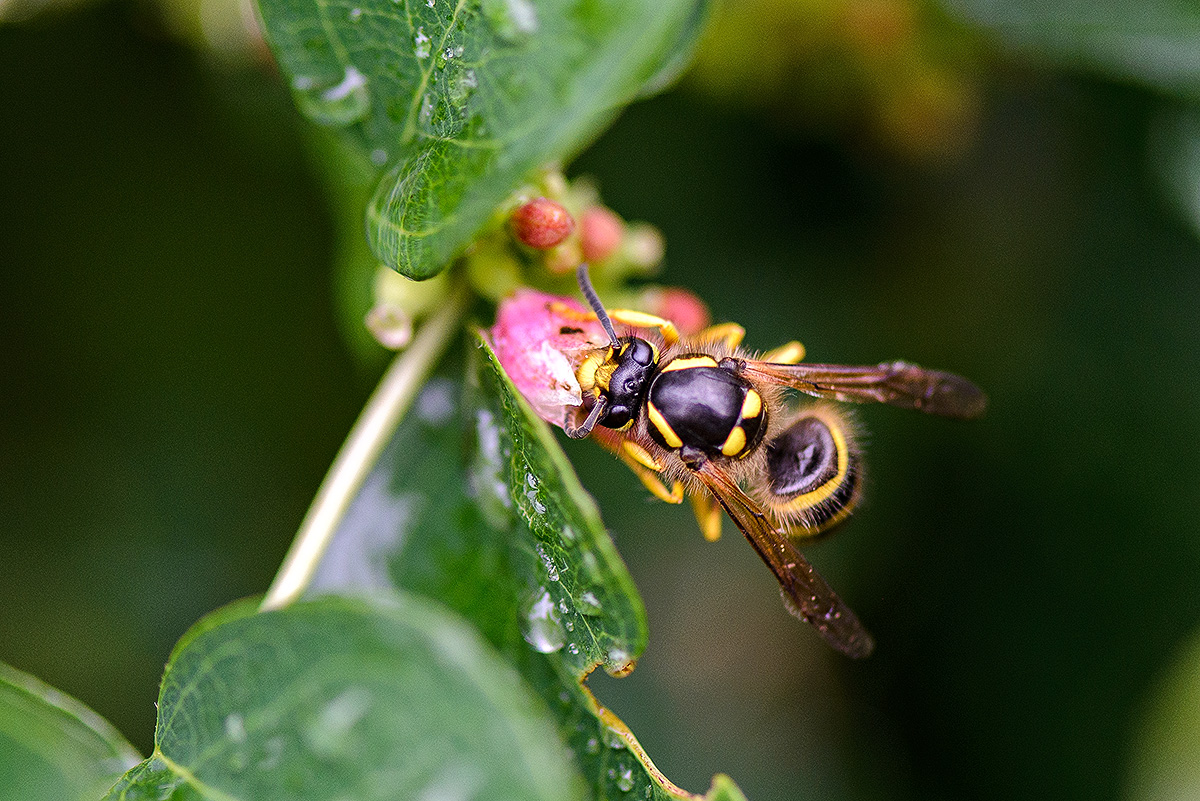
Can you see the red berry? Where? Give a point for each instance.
(541, 223)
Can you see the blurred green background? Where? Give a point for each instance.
(173, 386)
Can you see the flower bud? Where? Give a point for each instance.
(601, 232)
(541, 223)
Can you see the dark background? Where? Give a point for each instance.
(173, 386)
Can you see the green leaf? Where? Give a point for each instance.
(463, 100)
(351, 699)
(475, 505)
(52, 747)
(1166, 748)
(1152, 42)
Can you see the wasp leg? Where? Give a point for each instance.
(708, 515)
(644, 466)
(638, 319)
(629, 317)
(729, 334)
(791, 353)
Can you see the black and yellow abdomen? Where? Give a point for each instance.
(813, 472)
(695, 403)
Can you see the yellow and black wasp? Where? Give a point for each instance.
(697, 416)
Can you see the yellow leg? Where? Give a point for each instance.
(791, 353)
(731, 334)
(639, 319)
(629, 317)
(643, 465)
(708, 515)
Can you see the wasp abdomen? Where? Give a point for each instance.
(696, 404)
(813, 472)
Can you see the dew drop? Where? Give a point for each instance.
(328, 733)
(355, 14)
(426, 112)
(592, 746)
(588, 604)
(624, 778)
(340, 103)
(573, 648)
(379, 157)
(548, 562)
(542, 627)
(235, 727)
(420, 43)
(512, 20)
(618, 663)
(612, 738)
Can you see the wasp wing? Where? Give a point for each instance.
(894, 383)
(805, 593)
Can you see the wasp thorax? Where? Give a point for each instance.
(697, 403)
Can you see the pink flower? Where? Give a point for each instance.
(540, 340)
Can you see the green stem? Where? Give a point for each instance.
(358, 455)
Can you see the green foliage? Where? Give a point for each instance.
(473, 504)
(461, 101)
(52, 747)
(1152, 42)
(390, 697)
(1166, 750)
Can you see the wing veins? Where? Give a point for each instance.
(805, 594)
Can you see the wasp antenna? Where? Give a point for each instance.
(585, 286)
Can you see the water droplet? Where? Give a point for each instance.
(612, 738)
(570, 624)
(573, 648)
(618, 663)
(420, 43)
(543, 629)
(592, 746)
(461, 87)
(589, 604)
(235, 727)
(452, 52)
(426, 112)
(379, 157)
(512, 20)
(564, 697)
(355, 14)
(590, 563)
(624, 778)
(430, 3)
(340, 103)
(568, 534)
(547, 560)
(327, 734)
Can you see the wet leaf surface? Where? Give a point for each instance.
(457, 102)
(347, 698)
(474, 505)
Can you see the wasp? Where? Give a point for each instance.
(698, 417)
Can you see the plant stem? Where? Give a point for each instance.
(371, 432)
